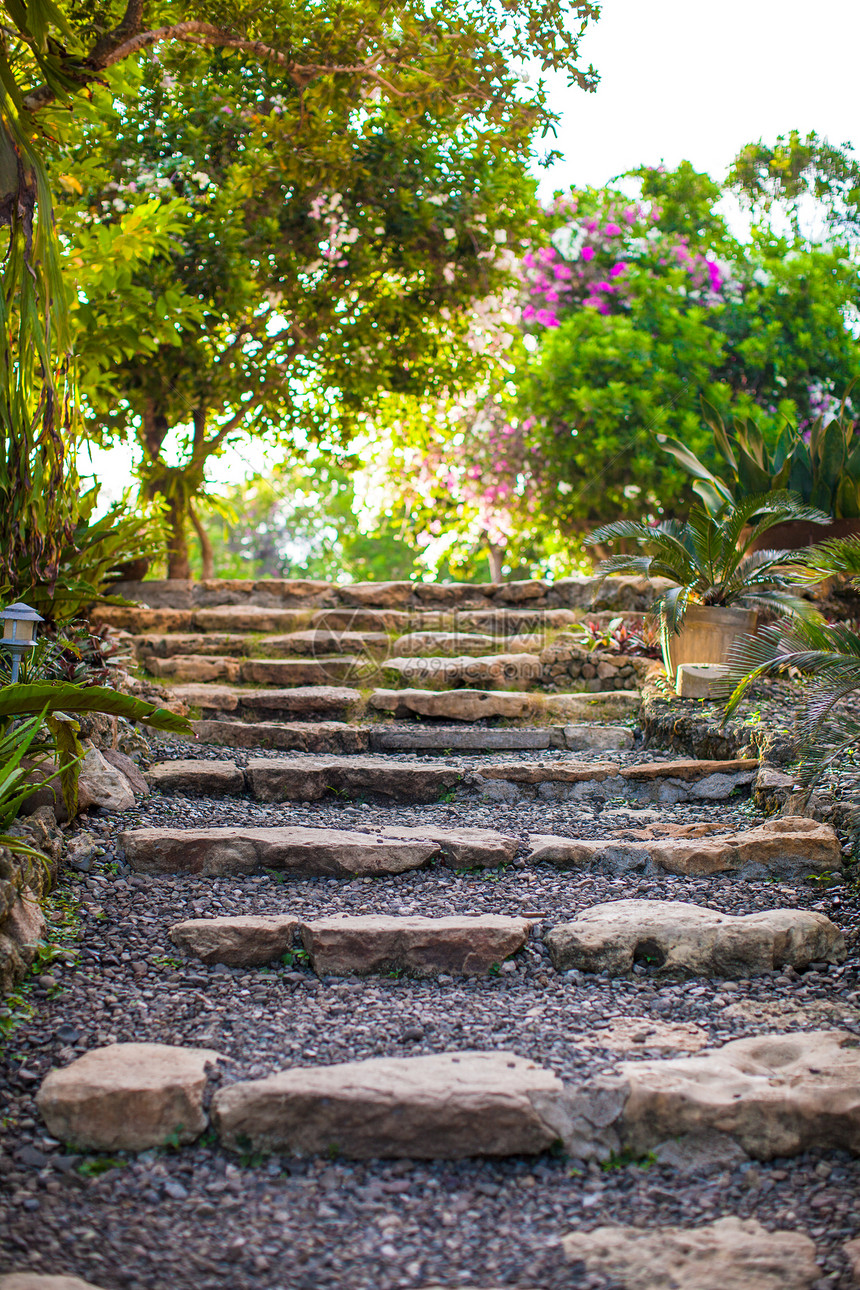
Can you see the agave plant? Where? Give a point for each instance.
(822, 466)
(709, 559)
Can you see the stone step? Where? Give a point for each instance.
(308, 779)
(345, 946)
(306, 644)
(309, 852)
(581, 593)
(728, 1254)
(447, 705)
(770, 1095)
(298, 736)
(339, 737)
(784, 847)
(237, 940)
(140, 619)
(302, 701)
(494, 672)
(453, 739)
(775, 1095)
(461, 946)
(478, 705)
(665, 783)
(448, 1105)
(681, 939)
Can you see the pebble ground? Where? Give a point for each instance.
(199, 1217)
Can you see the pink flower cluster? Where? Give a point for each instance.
(606, 252)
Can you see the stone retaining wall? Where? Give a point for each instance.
(614, 594)
(569, 667)
(24, 880)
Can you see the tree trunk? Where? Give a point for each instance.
(178, 565)
(207, 558)
(495, 555)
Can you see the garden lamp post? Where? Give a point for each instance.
(19, 632)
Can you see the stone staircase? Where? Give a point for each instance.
(486, 897)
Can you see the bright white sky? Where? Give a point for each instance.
(680, 79)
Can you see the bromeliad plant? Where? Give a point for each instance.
(709, 559)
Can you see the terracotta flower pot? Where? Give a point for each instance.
(707, 635)
(796, 534)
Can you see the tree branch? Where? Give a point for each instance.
(124, 41)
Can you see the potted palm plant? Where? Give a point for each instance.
(720, 581)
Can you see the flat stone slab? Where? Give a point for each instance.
(128, 1097)
(309, 700)
(307, 779)
(306, 672)
(299, 736)
(446, 1106)
(209, 778)
(729, 1254)
(38, 1281)
(462, 848)
(364, 944)
(327, 853)
(454, 705)
(319, 641)
(776, 1095)
(495, 671)
(446, 740)
(661, 782)
(436, 644)
(168, 645)
(243, 941)
(690, 940)
(592, 738)
(786, 846)
(195, 667)
(476, 705)
(249, 618)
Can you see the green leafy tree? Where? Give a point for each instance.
(315, 126)
(810, 180)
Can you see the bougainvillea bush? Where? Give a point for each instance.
(640, 308)
(633, 305)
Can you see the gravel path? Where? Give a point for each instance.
(200, 1217)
